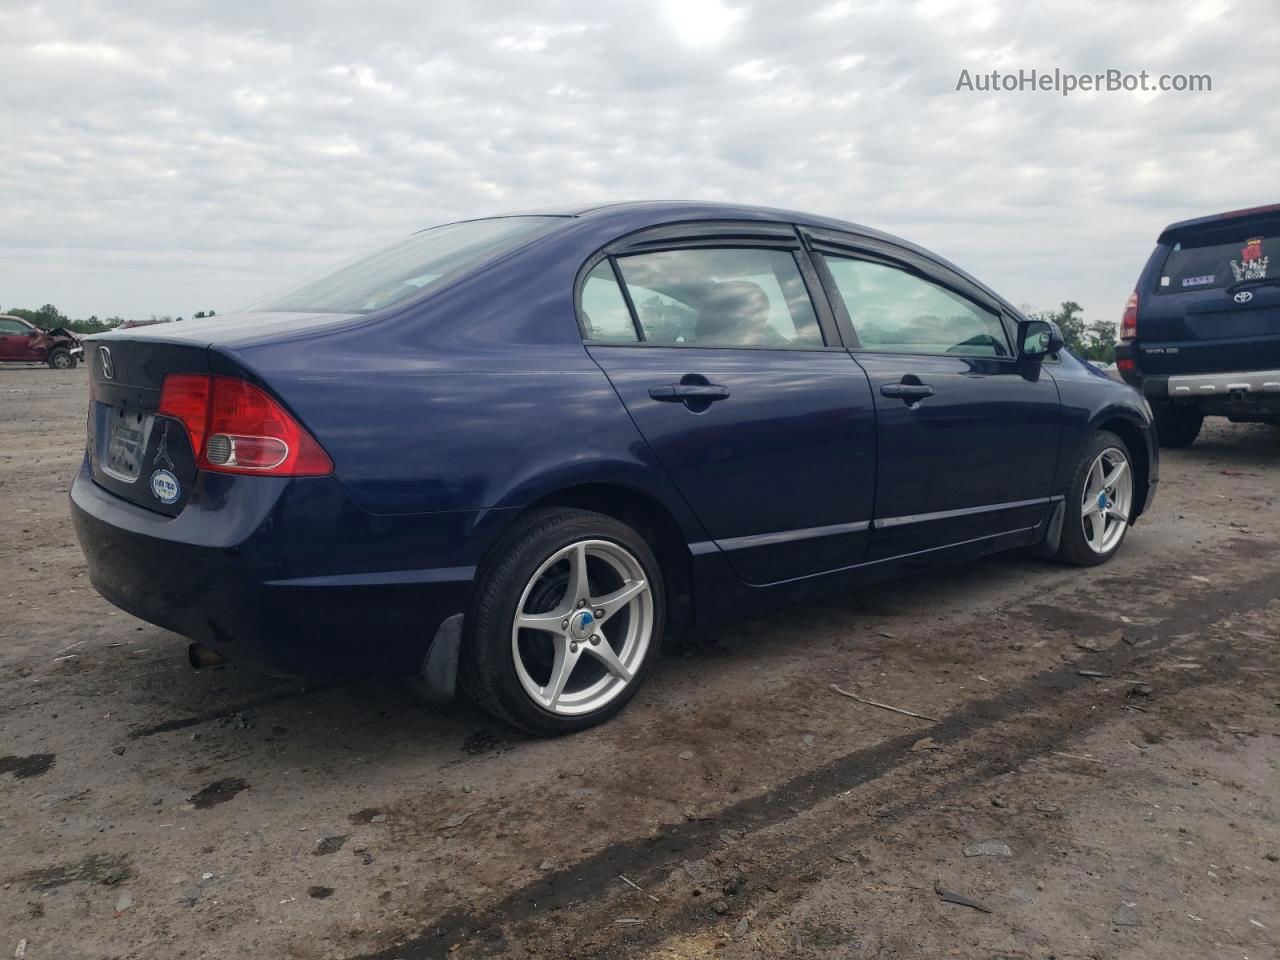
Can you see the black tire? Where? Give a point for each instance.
(1074, 547)
(1177, 426)
(487, 668)
(61, 359)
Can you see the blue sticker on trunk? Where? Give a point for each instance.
(165, 486)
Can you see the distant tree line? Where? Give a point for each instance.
(49, 316)
(1089, 341)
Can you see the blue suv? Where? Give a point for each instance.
(516, 450)
(1201, 334)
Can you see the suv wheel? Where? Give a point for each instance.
(61, 359)
(1177, 426)
(565, 623)
(1099, 502)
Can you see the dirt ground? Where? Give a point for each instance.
(739, 808)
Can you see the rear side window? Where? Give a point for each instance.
(893, 311)
(605, 317)
(12, 326)
(1214, 260)
(731, 297)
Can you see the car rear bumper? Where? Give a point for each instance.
(237, 578)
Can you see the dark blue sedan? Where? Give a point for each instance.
(518, 450)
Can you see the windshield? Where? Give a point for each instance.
(1220, 259)
(403, 269)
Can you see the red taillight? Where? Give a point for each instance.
(1125, 364)
(185, 397)
(236, 427)
(1129, 322)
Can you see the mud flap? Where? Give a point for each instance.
(1053, 535)
(437, 681)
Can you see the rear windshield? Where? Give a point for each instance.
(1220, 258)
(405, 268)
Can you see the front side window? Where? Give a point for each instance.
(705, 297)
(403, 269)
(893, 311)
(12, 326)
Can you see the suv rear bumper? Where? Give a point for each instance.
(1238, 393)
(1223, 384)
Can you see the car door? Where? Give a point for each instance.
(967, 435)
(740, 387)
(14, 340)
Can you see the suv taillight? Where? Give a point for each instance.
(1129, 322)
(235, 427)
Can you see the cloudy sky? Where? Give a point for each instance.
(166, 157)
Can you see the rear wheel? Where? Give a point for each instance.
(1177, 426)
(565, 624)
(1099, 502)
(61, 359)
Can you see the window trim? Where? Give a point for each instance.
(723, 235)
(855, 345)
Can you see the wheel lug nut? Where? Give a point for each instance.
(582, 603)
(564, 624)
(599, 614)
(595, 639)
(573, 648)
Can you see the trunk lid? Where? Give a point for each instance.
(134, 452)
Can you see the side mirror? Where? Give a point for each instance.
(1038, 339)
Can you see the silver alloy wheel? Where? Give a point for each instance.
(61, 361)
(575, 627)
(1108, 497)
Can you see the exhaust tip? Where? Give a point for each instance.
(201, 656)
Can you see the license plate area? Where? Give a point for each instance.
(128, 432)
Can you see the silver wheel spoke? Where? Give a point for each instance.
(613, 602)
(606, 655)
(1093, 485)
(1091, 507)
(1113, 477)
(550, 622)
(565, 661)
(577, 589)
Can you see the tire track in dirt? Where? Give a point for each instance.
(585, 886)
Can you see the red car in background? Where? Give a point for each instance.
(23, 342)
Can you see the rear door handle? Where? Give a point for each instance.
(906, 391)
(683, 392)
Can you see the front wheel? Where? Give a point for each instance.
(61, 359)
(1099, 502)
(565, 623)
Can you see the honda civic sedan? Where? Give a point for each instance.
(519, 450)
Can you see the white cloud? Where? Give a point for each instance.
(165, 158)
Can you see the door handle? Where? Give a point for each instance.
(684, 392)
(906, 391)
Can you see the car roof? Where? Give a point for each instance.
(628, 216)
(1186, 226)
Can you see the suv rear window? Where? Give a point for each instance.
(1218, 259)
